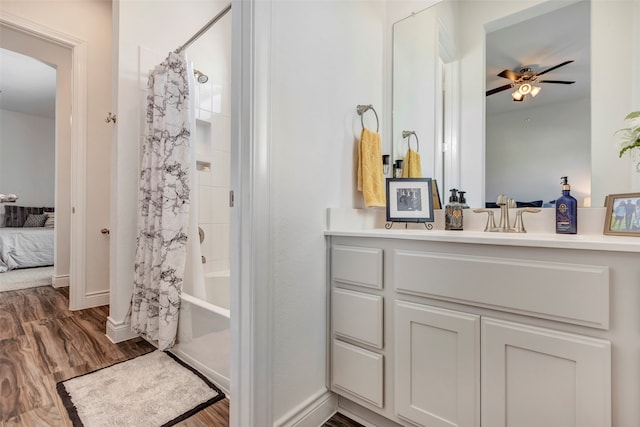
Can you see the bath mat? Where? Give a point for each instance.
(152, 390)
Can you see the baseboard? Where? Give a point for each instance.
(313, 412)
(362, 415)
(96, 299)
(60, 281)
(119, 331)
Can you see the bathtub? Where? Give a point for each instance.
(203, 328)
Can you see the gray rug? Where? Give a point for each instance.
(25, 278)
(153, 390)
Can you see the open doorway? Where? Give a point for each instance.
(65, 54)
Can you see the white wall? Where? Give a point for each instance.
(88, 20)
(515, 138)
(27, 158)
(326, 58)
(612, 29)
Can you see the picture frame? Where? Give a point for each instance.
(409, 200)
(623, 214)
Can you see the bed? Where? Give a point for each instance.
(24, 247)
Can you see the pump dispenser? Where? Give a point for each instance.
(462, 200)
(566, 210)
(453, 212)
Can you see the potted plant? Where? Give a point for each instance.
(630, 136)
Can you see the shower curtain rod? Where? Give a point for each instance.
(202, 30)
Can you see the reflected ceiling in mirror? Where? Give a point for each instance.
(531, 143)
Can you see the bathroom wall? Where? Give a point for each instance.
(27, 158)
(326, 58)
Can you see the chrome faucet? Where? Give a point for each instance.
(505, 224)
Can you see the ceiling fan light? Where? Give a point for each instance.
(524, 88)
(517, 96)
(535, 90)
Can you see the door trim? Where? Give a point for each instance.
(77, 244)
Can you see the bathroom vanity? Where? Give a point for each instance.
(446, 328)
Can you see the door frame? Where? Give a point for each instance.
(78, 97)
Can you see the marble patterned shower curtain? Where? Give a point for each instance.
(163, 204)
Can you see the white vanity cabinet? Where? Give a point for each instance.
(441, 333)
(437, 365)
(357, 363)
(540, 377)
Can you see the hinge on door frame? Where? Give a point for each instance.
(231, 198)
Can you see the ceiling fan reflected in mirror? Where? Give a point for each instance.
(525, 82)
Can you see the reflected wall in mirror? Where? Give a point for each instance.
(538, 104)
(423, 45)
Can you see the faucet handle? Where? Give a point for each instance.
(491, 223)
(519, 226)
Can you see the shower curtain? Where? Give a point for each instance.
(163, 204)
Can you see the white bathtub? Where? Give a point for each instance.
(203, 329)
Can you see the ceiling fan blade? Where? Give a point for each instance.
(554, 67)
(500, 89)
(564, 82)
(511, 75)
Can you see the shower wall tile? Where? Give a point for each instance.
(220, 133)
(205, 179)
(221, 246)
(207, 247)
(221, 169)
(205, 205)
(220, 205)
(220, 265)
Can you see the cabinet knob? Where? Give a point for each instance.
(105, 231)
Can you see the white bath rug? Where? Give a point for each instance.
(25, 278)
(153, 390)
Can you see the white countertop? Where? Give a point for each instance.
(344, 223)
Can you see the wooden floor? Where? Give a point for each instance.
(42, 343)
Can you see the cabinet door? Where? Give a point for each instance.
(535, 377)
(437, 366)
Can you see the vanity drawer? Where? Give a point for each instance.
(358, 372)
(357, 266)
(571, 293)
(357, 316)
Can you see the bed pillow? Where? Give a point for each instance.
(51, 220)
(35, 220)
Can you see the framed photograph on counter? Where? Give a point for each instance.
(623, 215)
(409, 200)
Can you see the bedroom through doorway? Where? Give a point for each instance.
(35, 245)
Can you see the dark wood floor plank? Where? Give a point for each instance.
(215, 415)
(10, 325)
(23, 386)
(53, 344)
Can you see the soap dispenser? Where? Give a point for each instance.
(453, 212)
(566, 210)
(462, 200)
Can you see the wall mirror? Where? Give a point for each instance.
(477, 25)
(538, 105)
(423, 45)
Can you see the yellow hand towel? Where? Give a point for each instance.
(370, 176)
(411, 167)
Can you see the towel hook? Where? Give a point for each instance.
(407, 134)
(361, 109)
